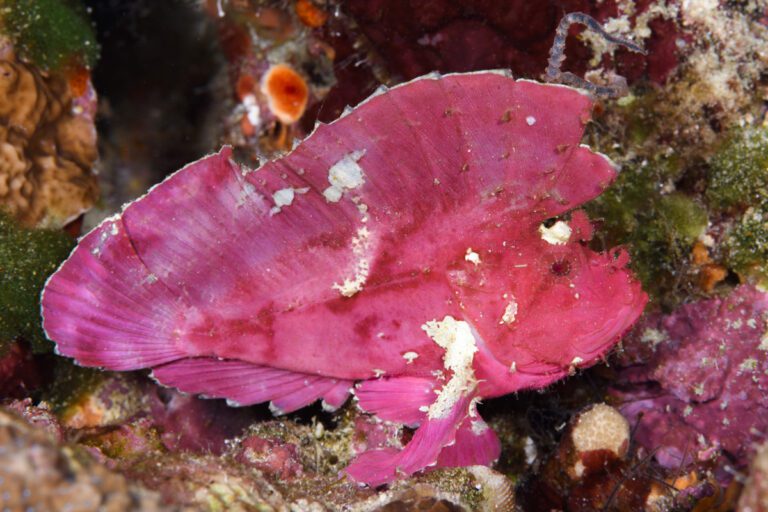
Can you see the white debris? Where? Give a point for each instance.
(478, 427)
(510, 312)
(653, 337)
(106, 234)
(332, 194)
(346, 174)
(530, 120)
(245, 193)
(472, 257)
(456, 337)
(360, 246)
(558, 234)
(283, 197)
(530, 451)
(252, 110)
(410, 357)
(764, 339)
(707, 240)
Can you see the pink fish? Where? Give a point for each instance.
(402, 247)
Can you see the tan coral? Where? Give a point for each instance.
(47, 147)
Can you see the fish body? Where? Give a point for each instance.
(407, 247)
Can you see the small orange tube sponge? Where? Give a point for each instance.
(286, 93)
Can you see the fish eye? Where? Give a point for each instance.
(560, 267)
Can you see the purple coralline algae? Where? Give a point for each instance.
(696, 382)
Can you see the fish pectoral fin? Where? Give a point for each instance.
(243, 383)
(399, 399)
(438, 430)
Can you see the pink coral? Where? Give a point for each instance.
(696, 380)
(404, 246)
(271, 456)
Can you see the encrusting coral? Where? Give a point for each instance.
(694, 382)
(47, 144)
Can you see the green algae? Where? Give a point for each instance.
(50, 33)
(657, 227)
(27, 258)
(739, 171)
(746, 246)
(738, 182)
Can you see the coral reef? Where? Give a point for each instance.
(279, 67)
(447, 35)
(689, 206)
(36, 474)
(47, 144)
(667, 140)
(694, 382)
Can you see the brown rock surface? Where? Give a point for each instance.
(36, 474)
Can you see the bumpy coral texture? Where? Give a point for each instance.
(36, 474)
(47, 145)
(404, 246)
(698, 385)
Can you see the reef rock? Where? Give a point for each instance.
(47, 144)
(695, 382)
